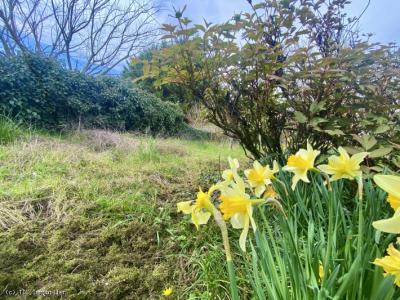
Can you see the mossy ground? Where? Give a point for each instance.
(96, 217)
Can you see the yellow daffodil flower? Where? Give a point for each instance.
(393, 201)
(391, 185)
(231, 174)
(391, 263)
(391, 225)
(236, 205)
(343, 166)
(201, 209)
(270, 193)
(321, 272)
(301, 163)
(167, 292)
(259, 177)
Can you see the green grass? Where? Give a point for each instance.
(9, 130)
(102, 223)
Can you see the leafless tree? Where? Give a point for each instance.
(93, 36)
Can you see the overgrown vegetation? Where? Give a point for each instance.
(287, 72)
(39, 91)
(93, 212)
(94, 215)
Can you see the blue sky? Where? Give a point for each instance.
(382, 17)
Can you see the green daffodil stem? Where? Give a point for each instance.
(231, 269)
(282, 184)
(328, 182)
(360, 229)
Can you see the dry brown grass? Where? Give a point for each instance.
(102, 140)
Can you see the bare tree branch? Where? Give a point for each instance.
(93, 36)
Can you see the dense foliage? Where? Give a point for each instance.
(287, 72)
(41, 92)
(137, 72)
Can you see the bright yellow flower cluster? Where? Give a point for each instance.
(232, 196)
(167, 292)
(234, 201)
(338, 167)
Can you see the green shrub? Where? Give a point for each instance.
(283, 74)
(39, 91)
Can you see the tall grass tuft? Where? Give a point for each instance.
(9, 130)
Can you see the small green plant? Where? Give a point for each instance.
(9, 130)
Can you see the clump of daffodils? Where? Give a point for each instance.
(234, 197)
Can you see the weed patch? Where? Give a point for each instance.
(102, 222)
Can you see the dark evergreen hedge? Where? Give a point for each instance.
(39, 91)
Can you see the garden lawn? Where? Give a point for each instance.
(93, 215)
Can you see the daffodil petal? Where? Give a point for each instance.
(185, 207)
(238, 220)
(233, 163)
(294, 182)
(391, 225)
(257, 166)
(259, 190)
(275, 167)
(243, 235)
(343, 152)
(203, 217)
(326, 169)
(389, 183)
(359, 157)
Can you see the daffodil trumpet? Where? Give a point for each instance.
(237, 207)
(391, 185)
(259, 177)
(301, 163)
